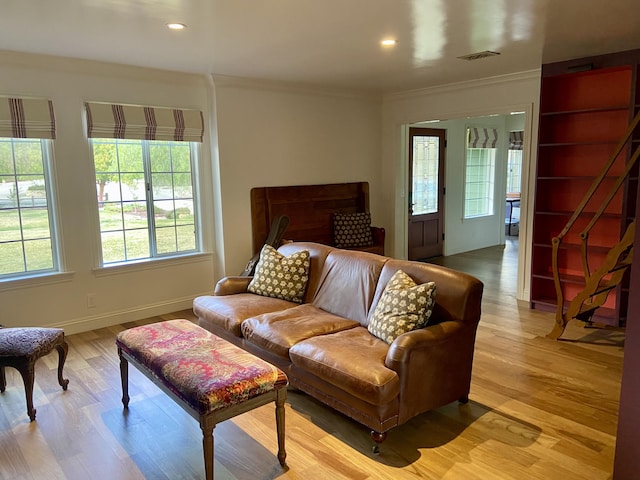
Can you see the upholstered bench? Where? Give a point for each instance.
(207, 376)
(21, 347)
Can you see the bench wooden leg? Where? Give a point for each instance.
(207, 448)
(281, 396)
(3, 380)
(124, 378)
(62, 349)
(26, 369)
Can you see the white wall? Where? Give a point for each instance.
(273, 135)
(123, 293)
(498, 95)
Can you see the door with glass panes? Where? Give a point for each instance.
(426, 192)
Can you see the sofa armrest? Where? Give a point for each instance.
(232, 285)
(433, 365)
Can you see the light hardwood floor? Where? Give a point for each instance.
(538, 409)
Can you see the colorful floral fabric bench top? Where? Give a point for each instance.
(204, 374)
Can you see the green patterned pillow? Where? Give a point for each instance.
(282, 277)
(403, 307)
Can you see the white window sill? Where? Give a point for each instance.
(150, 264)
(48, 278)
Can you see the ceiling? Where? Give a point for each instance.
(332, 43)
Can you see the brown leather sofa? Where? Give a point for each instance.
(326, 350)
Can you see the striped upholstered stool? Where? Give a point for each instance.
(207, 376)
(21, 347)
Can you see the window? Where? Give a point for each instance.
(145, 164)
(514, 162)
(145, 198)
(480, 172)
(27, 225)
(514, 171)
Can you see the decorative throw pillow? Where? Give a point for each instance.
(282, 277)
(352, 229)
(403, 307)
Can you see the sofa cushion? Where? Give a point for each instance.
(278, 331)
(403, 307)
(282, 277)
(349, 280)
(227, 312)
(352, 230)
(352, 360)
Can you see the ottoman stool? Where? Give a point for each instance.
(20, 348)
(210, 378)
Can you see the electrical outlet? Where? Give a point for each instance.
(91, 300)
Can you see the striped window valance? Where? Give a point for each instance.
(27, 118)
(106, 120)
(516, 140)
(482, 137)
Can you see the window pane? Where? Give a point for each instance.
(425, 174)
(11, 258)
(26, 239)
(10, 230)
(186, 238)
(166, 240)
(181, 158)
(137, 243)
(182, 185)
(160, 154)
(135, 215)
(35, 223)
(130, 157)
(514, 171)
(38, 254)
(113, 247)
(162, 186)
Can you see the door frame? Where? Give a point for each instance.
(529, 162)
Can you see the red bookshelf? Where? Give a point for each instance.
(585, 108)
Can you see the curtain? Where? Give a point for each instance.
(27, 118)
(482, 137)
(516, 140)
(106, 120)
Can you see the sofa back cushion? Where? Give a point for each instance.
(317, 255)
(459, 294)
(348, 283)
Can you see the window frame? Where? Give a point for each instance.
(154, 256)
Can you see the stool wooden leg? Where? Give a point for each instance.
(26, 370)
(3, 380)
(281, 396)
(124, 378)
(207, 448)
(62, 349)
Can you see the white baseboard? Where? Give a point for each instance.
(85, 324)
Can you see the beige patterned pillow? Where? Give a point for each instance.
(282, 277)
(403, 307)
(352, 229)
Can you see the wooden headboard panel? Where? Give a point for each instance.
(309, 208)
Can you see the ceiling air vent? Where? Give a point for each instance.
(479, 55)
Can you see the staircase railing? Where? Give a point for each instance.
(556, 241)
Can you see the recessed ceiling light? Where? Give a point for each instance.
(176, 26)
(388, 42)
